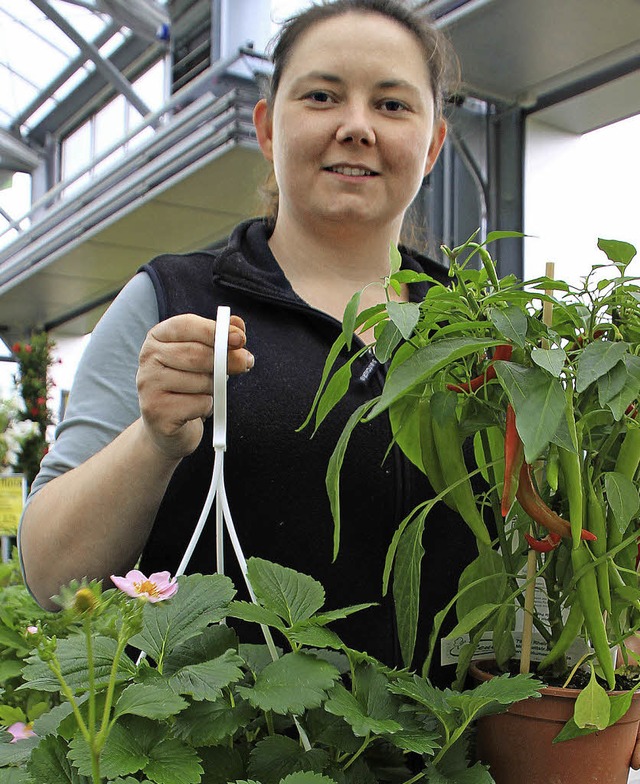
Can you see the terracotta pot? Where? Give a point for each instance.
(517, 745)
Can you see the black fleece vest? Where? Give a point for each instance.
(274, 475)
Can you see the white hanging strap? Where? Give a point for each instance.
(217, 489)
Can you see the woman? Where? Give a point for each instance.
(352, 124)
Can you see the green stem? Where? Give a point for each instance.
(69, 696)
(93, 747)
(360, 751)
(269, 719)
(105, 728)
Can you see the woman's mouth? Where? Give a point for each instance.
(351, 171)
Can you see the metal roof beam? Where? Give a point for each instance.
(106, 68)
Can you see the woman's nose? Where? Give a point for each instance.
(356, 128)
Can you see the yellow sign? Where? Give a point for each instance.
(11, 503)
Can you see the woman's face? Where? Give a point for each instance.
(351, 132)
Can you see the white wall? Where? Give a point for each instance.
(579, 188)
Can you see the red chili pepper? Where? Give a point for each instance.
(513, 459)
(503, 352)
(538, 511)
(544, 545)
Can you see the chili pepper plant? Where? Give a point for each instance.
(542, 377)
(200, 705)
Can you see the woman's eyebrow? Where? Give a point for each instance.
(384, 84)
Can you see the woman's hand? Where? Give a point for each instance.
(175, 382)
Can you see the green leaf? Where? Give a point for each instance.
(121, 756)
(291, 684)
(373, 710)
(211, 643)
(254, 613)
(315, 636)
(617, 251)
(72, 657)
(336, 389)
(172, 762)
(17, 776)
(48, 723)
(50, 763)
(206, 723)
(278, 756)
(222, 764)
(492, 236)
(405, 315)
(419, 740)
(597, 359)
(9, 669)
(332, 479)
(206, 680)
(423, 364)
(473, 619)
(511, 322)
(488, 564)
(306, 777)
(349, 318)
(630, 389)
(477, 774)
(538, 401)
(395, 259)
(15, 753)
(550, 359)
(592, 705)
(495, 695)
(406, 586)
(333, 355)
(201, 600)
(292, 595)
(154, 702)
(623, 498)
(386, 342)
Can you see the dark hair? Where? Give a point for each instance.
(438, 54)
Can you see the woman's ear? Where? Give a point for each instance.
(263, 126)
(437, 140)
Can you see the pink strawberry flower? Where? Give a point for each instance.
(20, 731)
(32, 629)
(155, 588)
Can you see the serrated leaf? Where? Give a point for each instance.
(16, 776)
(315, 636)
(278, 756)
(15, 753)
(306, 777)
(405, 315)
(72, 657)
(201, 600)
(478, 774)
(212, 642)
(222, 764)
(205, 681)
(48, 723)
(623, 498)
(122, 755)
(154, 702)
(510, 322)
(373, 709)
(424, 363)
(596, 359)
(495, 695)
(256, 657)
(419, 740)
(50, 763)
(207, 723)
(172, 762)
(292, 684)
(293, 596)
(255, 613)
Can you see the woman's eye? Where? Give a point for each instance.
(318, 96)
(393, 105)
